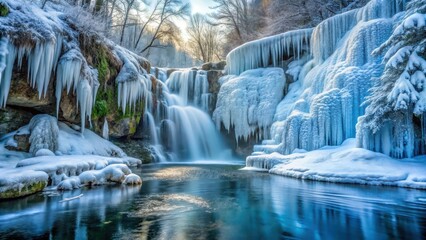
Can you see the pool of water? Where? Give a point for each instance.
(218, 202)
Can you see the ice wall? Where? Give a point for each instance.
(246, 103)
(322, 106)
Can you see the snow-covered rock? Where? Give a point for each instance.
(132, 179)
(63, 172)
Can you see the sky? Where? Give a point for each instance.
(201, 6)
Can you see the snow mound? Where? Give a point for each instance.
(247, 102)
(132, 179)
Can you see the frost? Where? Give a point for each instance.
(247, 102)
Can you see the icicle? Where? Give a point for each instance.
(7, 60)
(85, 100)
(247, 102)
(68, 74)
(105, 130)
(41, 63)
(260, 53)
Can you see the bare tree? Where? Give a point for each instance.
(163, 15)
(286, 15)
(242, 18)
(204, 39)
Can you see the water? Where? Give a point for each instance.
(219, 202)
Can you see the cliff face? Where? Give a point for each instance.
(52, 63)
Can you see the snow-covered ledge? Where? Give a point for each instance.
(60, 158)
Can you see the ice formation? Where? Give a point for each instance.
(329, 85)
(394, 122)
(269, 51)
(53, 49)
(44, 133)
(47, 134)
(105, 130)
(64, 172)
(247, 103)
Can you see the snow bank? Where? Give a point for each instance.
(346, 164)
(64, 172)
(248, 102)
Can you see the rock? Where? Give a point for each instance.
(120, 129)
(20, 190)
(67, 109)
(214, 87)
(170, 71)
(11, 119)
(23, 143)
(213, 79)
(21, 94)
(213, 66)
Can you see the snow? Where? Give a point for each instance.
(345, 164)
(132, 179)
(390, 124)
(248, 102)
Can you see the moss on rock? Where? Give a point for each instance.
(20, 191)
(4, 10)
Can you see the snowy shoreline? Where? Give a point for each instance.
(33, 175)
(345, 164)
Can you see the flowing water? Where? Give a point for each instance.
(218, 202)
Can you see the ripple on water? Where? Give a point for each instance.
(164, 204)
(184, 173)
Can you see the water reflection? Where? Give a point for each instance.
(218, 202)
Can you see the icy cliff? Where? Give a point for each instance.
(332, 70)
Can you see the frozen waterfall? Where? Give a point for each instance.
(331, 68)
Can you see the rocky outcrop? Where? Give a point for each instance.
(213, 66)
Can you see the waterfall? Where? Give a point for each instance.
(178, 123)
